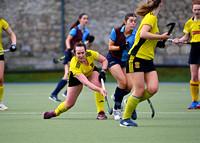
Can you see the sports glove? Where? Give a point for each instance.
(123, 46)
(69, 53)
(102, 75)
(13, 47)
(160, 44)
(91, 38)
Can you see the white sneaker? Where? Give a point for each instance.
(64, 95)
(117, 114)
(3, 107)
(125, 101)
(113, 98)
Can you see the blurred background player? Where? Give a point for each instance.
(5, 26)
(121, 41)
(192, 30)
(78, 32)
(140, 66)
(83, 71)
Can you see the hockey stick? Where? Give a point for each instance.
(4, 51)
(55, 61)
(172, 24)
(152, 109)
(181, 42)
(110, 110)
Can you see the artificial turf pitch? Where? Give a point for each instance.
(23, 122)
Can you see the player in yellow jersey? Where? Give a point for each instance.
(78, 32)
(140, 67)
(5, 26)
(192, 30)
(83, 71)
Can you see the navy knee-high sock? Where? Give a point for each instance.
(60, 85)
(119, 94)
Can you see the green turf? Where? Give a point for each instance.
(23, 123)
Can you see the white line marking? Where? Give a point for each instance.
(80, 113)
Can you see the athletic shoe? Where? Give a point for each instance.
(134, 114)
(198, 105)
(3, 107)
(113, 98)
(49, 114)
(54, 98)
(193, 105)
(125, 101)
(101, 116)
(117, 114)
(65, 93)
(127, 123)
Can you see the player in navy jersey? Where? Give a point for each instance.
(121, 40)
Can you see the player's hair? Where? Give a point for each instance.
(77, 21)
(146, 7)
(79, 44)
(196, 2)
(127, 17)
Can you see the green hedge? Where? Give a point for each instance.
(171, 74)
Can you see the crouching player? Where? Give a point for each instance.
(83, 71)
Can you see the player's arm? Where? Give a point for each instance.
(112, 40)
(12, 35)
(67, 42)
(104, 61)
(146, 34)
(82, 78)
(13, 39)
(184, 38)
(112, 47)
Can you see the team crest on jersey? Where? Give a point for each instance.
(92, 64)
(88, 54)
(78, 64)
(137, 65)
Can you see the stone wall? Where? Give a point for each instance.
(37, 25)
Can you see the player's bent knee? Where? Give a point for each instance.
(152, 91)
(70, 105)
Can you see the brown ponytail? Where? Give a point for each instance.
(127, 17)
(77, 21)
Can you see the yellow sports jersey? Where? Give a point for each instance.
(146, 48)
(192, 28)
(76, 67)
(3, 25)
